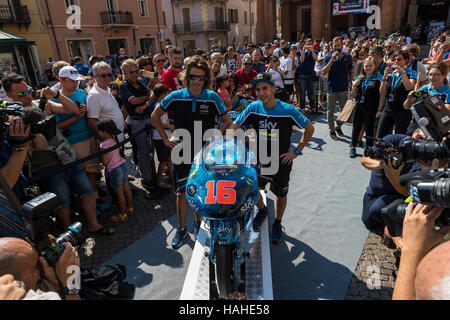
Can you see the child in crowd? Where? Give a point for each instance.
(163, 152)
(116, 168)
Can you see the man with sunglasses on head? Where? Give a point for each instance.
(190, 106)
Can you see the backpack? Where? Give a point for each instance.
(63, 149)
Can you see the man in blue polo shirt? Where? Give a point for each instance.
(338, 67)
(192, 105)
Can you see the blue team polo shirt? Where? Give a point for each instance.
(443, 92)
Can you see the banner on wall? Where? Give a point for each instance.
(341, 7)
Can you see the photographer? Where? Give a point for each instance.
(384, 187)
(438, 85)
(20, 260)
(423, 274)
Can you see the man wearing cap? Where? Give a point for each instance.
(74, 126)
(268, 116)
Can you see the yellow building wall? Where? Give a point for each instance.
(37, 31)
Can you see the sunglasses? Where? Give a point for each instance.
(105, 75)
(248, 64)
(159, 61)
(134, 72)
(23, 93)
(194, 77)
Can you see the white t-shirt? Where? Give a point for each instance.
(286, 65)
(277, 77)
(164, 120)
(102, 105)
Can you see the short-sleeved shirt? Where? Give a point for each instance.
(443, 92)
(169, 78)
(128, 91)
(282, 117)
(245, 78)
(338, 75)
(79, 130)
(114, 157)
(369, 92)
(307, 66)
(188, 109)
(259, 68)
(82, 69)
(102, 106)
(379, 183)
(396, 93)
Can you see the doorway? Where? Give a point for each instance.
(114, 46)
(81, 48)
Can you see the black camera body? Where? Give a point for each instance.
(46, 127)
(36, 214)
(430, 113)
(430, 188)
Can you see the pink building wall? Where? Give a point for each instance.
(98, 35)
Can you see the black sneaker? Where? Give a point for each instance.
(259, 219)
(277, 232)
(333, 135)
(339, 131)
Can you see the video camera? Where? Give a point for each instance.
(426, 187)
(36, 217)
(411, 150)
(30, 116)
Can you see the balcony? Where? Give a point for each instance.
(220, 26)
(18, 14)
(116, 18)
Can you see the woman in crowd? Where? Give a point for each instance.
(366, 92)
(397, 82)
(223, 83)
(215, 70)
(274, 70)
(437, 75)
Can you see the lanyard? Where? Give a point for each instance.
(364, 85)
(395, 81)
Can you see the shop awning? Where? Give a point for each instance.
(9, 39)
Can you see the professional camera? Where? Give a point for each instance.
(30, 116)
(426, 187)
(36, 214)
(431, 115)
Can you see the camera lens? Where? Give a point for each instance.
(72, 235)
(441, 191)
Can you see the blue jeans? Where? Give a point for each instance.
(306, 84)
(371, 215)
(118, 176)
(64, 183)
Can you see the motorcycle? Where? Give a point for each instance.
(223, 188)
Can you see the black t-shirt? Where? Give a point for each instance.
(379, 183)
(128, 91)
(396, 93)
(369, 92)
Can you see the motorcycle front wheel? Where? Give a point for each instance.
(224, 269)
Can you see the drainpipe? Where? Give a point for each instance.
(53, 30)
(157, 22)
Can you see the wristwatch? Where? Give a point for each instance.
(58, 93)
(298, 152)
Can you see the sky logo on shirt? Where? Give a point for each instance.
(265, 124)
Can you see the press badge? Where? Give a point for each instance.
(391, 98)
(361, 100)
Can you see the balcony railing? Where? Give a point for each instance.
(116, 18)
(202, 27)
(17, 14)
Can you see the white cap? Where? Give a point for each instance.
(69, 72)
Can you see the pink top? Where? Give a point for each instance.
(114, 157)
(225, 96)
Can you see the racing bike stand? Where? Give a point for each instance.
(255, 282)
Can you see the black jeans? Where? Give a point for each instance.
(389, 119)
(366, 116)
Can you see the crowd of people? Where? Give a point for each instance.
(97, 106)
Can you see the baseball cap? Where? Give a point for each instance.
(263, 77)
(109, 126)
(69, 72)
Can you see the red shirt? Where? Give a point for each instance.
(225, 96)
(245, 78)
(169, 78)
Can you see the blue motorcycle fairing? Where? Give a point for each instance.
(225, 231)
(224, 160)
